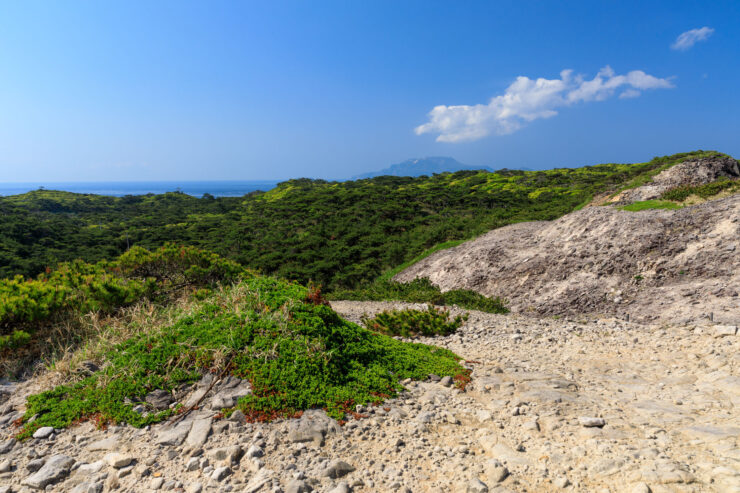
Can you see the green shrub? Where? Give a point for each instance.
(179, 265)
(422, 291)
(14, 340)
(409, 323)
(679, 194)
(297, 355)
(77, 288)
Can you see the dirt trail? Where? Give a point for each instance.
(669, 398)
(554, 405)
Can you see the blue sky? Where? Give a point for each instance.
(271, 90)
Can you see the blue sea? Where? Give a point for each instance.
(121, 188)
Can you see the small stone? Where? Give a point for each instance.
(477, 486)
(198, 434)
(159, 399)
(641, 488)
(6, 466)
(112, 482)
(337, 469)
(231, 454)
(561, 482)
(88, 487)
(588, 422)
(498, 474)
(90, 469)
(254, 452)
(35, 465)
(725, 330)
(156, 483)
(193, 464)
(194, 488)
(110, 443)
(117, 460)
(220, 473)
(238, 417)
(43, 432)
(297, 486)
(446, 381)
(312, 427)
(531, 425)
(341, 488)
(7, 446)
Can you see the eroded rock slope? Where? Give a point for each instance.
(653, 265)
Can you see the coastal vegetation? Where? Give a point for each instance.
(294, 350)
(341, 235)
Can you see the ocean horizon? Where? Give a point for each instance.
(217, 188)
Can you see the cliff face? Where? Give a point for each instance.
(654, 265)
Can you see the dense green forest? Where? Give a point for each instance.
(342, 235)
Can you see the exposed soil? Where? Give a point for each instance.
(553, 405)
(654, 265)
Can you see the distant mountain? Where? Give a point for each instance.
(423, 166)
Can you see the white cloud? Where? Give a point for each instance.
(526, 100)
(686, 40)
(629, 94)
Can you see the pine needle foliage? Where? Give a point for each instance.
(422, 291)
(412, 323)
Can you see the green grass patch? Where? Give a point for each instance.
(296, 354)
(650, 204)
(422, 291)
(411, 323)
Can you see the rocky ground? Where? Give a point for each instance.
(653, 266)
(696, 172)
(554, 405)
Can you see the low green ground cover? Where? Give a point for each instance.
(411, 323)
(650, 204)
(296, 352)
(709, 190)
(422, 291)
